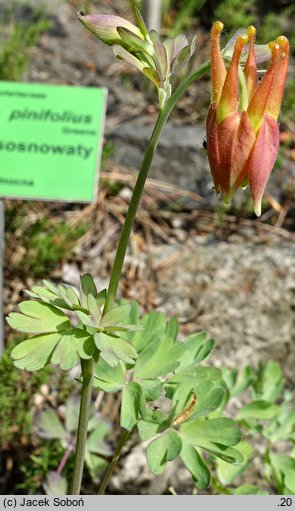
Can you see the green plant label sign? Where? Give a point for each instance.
(50, 141)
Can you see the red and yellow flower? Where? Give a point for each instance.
(242, 127)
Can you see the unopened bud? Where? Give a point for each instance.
(104, 27)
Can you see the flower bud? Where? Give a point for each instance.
(142, 48)
(104, 27)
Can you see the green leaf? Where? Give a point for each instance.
(84, 343)
(164, 448)
(180, 60)
(227, 473)
(47, 296)
(228, 454)
(133, 316)
(243, 381)
(72, 297)
(122, 54)
(196, 465)
(97, 422)
(196, 374)
(238, 382)
(259, 410)
(152, 75)
(172, 328)
(122, 329)
(182, 398)
(35, 353)
(131, 41)
(284, 429)
(72, 413)
(64, 293)
(93, 309)
(158, 358)
(101, 298)
(85, 319)
(221, 430)
(87, 287)
(180, 42)
(270, 382)
(132, 405)
(116, 316)
(169, 46)
(154, 325)
(202, 380)
(96, 443)
(50, 286)
(208, 395)
(49, 425)
(215, 436)
(109, 379)
(161, 60)
(36, 317)
(140, 22)
(63, 297)
(249, 489)
(73, 345)
(114, 349)
(147, 430)
(196, 348)
(55, 484)
(152, 389)
(95, 464)
(284, 469)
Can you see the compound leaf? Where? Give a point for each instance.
(35, 353)
(37, 318)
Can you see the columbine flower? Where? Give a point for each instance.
(142, 49)
(242, 128)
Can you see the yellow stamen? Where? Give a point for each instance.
(217, 27)
(251, 32)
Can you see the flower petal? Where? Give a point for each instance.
(218, 70)
(250, 69)
(260, 97)
(229, 97)
(276, 93)
(236, 145)
(212, 146)
(262, 159)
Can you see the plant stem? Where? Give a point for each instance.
(140, 182)
(87, 367)
(122, 441)
(128, 224)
